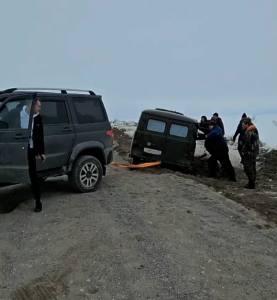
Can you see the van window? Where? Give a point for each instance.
(179, 130)
(156, 126)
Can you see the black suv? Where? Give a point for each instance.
(77, 134)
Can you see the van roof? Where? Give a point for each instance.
(169, 114)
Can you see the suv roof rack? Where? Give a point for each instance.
(63, 91)
(172, 111)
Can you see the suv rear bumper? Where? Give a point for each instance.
(109, 155)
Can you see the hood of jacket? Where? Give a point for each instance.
(24, 117)
(251, 127)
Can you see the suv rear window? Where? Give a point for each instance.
(89, 110)
(178, 130)
(156, 125)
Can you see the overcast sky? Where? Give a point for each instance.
(194, 56)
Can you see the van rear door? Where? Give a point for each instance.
(177, 143)
(152, 138)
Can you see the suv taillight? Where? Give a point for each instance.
(110, 133)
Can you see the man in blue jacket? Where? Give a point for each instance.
(219, 150)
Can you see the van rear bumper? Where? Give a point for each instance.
(142, 159)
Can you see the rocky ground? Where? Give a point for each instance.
(263, 200)
(143, 235)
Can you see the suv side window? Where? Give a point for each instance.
(13, 115)
(53, 112)
(156, 126)
(179, 130)
(89, 110)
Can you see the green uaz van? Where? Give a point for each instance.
(166, 136)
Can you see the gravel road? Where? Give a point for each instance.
(140, 236)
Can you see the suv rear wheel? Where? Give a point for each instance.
(86, 174)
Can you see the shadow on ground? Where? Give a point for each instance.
(13, 195)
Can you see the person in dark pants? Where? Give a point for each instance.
(35, 148)
(219, 122)
(240, 132)
(250, 150)
(219, 151)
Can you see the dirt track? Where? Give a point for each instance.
(263, 200)
(141, 236)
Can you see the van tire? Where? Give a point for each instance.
(82, 167)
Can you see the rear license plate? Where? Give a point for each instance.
(152, 151)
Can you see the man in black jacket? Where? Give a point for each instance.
(204, 123)
(240, 132)
(36, 146)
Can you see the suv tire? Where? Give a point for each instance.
(81, 179)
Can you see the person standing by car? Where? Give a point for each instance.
(204, 123)
(36, 146)
(219, 122)
(219, 150)
(203, 126)
(240, 132)
(250, 150)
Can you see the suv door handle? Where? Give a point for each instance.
(67, 129)
(20, 137)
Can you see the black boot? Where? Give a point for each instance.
(38, 206)
(250, 185)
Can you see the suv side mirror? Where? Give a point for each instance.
(4, 125)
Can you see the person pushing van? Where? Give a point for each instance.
(219, 150)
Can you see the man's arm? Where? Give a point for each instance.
(41, 140)
(221, 125)
(214, 132)
(237, 131)
(205, 130)
(246, 142)
(201, 137)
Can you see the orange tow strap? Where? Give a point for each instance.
(145, 165)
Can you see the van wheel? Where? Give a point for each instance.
(86, 174)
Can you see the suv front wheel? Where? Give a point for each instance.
(86, 174)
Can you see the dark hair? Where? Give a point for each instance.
(247, 121)
(215, 114)
(213, 121)
(205, 118)
(244, 116)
